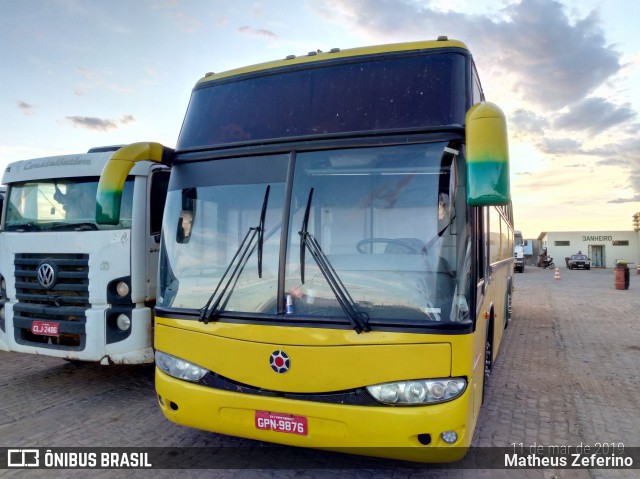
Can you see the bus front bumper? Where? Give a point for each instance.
(405, 433)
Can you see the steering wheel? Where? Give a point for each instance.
(409, 247)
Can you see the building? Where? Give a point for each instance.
(605, 248)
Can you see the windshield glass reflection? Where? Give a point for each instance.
(389, 237)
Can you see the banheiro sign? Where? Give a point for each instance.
(596, 238)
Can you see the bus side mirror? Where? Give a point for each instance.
(487, 156)
(187, 215)
(114, 174)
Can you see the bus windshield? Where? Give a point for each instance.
(384, 224)
(60, 204)
(411, 91)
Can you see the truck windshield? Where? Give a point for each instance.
(385, 222)
(60, 204)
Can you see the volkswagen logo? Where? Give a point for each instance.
(47, 275)
(279, 361)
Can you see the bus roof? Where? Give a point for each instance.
(318, 56)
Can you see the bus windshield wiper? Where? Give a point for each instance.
(238, 261)
(358, 319)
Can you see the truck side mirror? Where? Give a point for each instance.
(487, 156)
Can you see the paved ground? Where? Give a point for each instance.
(567, 375)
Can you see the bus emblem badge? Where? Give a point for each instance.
(279, 361)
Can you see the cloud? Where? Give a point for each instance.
(173, 11)
(557, 62)
(555, 146)
(186, 22)
(635, 199)
(87, 73)
(594, 115)
(99, 124)
(545, 61)
(26, 108)
(260, 32)
(528, 121)
(550, 60)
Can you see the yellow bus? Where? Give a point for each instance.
(336, 255)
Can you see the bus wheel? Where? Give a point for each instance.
(488, 361)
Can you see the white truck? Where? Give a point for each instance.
(518, 252)
(70, 287)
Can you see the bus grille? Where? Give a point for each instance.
(354, 397)
(65, 302)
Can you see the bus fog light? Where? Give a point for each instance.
(179, 368)
(122, 289)
(449, 437)
(123, 322)
(418, 391)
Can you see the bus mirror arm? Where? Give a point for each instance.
(112, 179)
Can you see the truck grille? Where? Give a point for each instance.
(63, 302)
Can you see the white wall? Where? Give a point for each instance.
(606, 247)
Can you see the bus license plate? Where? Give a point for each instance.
(279, 422)
(45, 328)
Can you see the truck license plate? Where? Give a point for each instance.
(281, 422)
(45, 328)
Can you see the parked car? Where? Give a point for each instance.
(578, 261)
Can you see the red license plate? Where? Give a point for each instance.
(280, 422)
(45, 328)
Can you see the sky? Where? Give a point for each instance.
(82, 73)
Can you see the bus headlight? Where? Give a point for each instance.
(179, 368)
(418, 391)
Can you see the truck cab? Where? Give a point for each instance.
(71, 287)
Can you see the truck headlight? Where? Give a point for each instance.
(179, 368)
(418, 391)
(122, 289)
(123, 322)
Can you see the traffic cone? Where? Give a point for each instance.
(557, 275)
